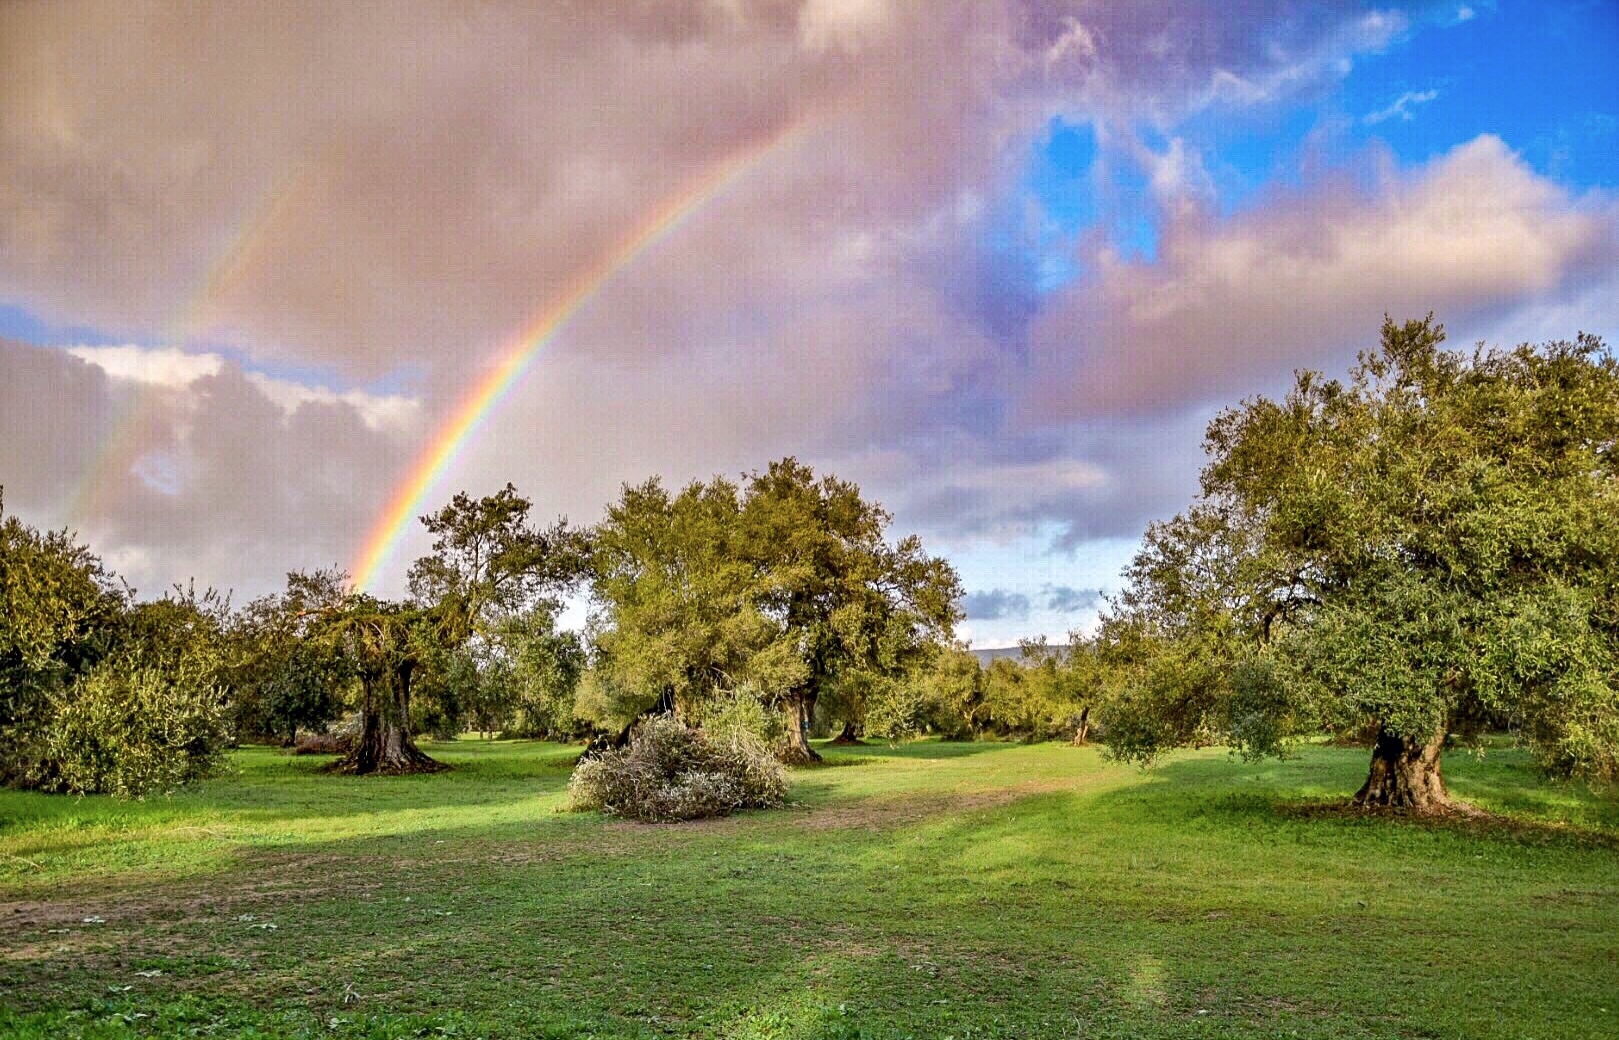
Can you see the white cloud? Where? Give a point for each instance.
(846, 24)
(1075, 49)
(379, 411)
(1289, 69)
(1474, 232)
(173, 369)
(1401, 107)
(153, 366)
(1029, 478)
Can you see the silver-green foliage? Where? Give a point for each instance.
(670, 772)
(740, 718)
(59, 609)
(1429, 547)
(136, 731)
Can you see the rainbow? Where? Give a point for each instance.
(486, 394)
(237, 249)
(240, 248)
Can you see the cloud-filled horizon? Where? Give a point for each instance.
(999, 262)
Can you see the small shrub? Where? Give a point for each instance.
(669, 772)
(133, 732)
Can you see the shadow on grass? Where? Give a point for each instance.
(1516, 802)
(1190, 890)
(925, 750)
(1477, 824)
(271, 799)
(834, 761)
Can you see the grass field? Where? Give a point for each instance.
(937, 890)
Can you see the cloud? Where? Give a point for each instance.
(372, 190)
(1401, 107)
(1300, 65)
(1305, 279)
(55, 412)
(1065, 599)
(154, 366)
(188, 470)
(394, 412)
(390, 199)
(842, 23)
(1074, 45)
(173, 369)
(995, 604)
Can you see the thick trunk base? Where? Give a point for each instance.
(799, 755)
(800, 710)
(848, 737)
(596, 746)
(1405, 777)
(1083, 730)
(602, 742)
(387, 750)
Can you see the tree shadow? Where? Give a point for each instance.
(1512, 800)
(1187, 887)
(928, 749)
(272, 799)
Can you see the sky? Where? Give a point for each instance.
(997, 261)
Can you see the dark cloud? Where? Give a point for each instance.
(55, 414)
(995, 604)
(206, 476)
(391, 194)
(1065, 599)
(413, 183)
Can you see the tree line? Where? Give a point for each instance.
(1411, 557)
(785, 589)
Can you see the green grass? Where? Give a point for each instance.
(935, 890)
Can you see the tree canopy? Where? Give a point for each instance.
(99, 693)
(859, 609)
(488, 562)
(785, 585)
(1429, 547)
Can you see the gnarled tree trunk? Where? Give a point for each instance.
(1405, 775)
(849, 736)
(602, 742)
(800, 711)
(1083, 730)
(385, 745)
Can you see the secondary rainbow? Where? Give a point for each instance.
(240, 247)
(483, 397)
(244, 247)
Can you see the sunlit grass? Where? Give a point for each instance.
(929, 890)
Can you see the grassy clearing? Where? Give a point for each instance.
(930, 891)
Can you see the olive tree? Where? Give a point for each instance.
(674, 618)
(857, 608)
(487, 564)
(99, 693)
(1428, 547)
(58, 611)
(786, 586)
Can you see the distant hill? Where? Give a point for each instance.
(988, 654)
